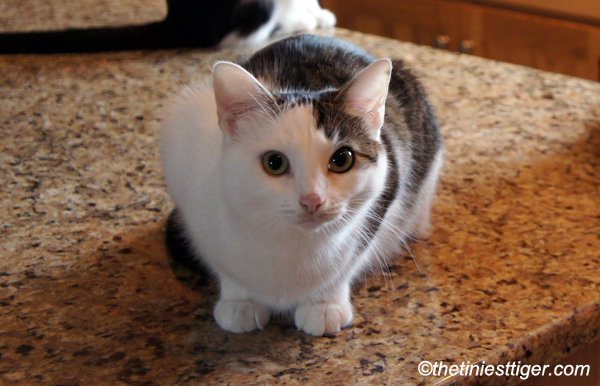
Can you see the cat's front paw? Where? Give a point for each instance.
(323, 318)
(241, 315)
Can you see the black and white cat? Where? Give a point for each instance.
(189, 23)
(296, 170)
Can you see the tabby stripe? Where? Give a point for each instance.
(385, 199)
(418, 113)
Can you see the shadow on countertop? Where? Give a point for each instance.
(126, 318)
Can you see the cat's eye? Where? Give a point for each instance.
(275, 163)
(342, 160)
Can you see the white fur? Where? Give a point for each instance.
(399, 225)
(250, 228)
(290, 16)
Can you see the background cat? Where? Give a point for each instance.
(294, 172)
(189, 23)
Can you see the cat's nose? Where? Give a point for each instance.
(312, 202)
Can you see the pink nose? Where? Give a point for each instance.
(312, 202)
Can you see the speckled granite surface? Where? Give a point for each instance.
(510, 271)
(52, 15)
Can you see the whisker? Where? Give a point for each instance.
(394, 230)
(379, 257)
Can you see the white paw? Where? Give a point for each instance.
(325, 18)
(241, 315)
(323, 318)
(302, 21)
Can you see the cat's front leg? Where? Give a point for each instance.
(326, 314)
(236, 311)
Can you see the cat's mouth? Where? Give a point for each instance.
(317, 220)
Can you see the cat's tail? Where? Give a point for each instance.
(197, 24)
(187, 24)
(147, 36)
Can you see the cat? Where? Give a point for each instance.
(189, 23)
(295, 171)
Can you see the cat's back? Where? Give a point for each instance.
(307, 63)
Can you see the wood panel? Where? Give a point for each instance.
(578, 10)
(536, 41)
(539, 42)
(416, 21)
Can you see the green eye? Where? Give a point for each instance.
(342, 160)
(275, 163)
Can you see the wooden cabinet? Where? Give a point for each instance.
(537, 41)
(540, 42)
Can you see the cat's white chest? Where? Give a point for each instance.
(278, 264)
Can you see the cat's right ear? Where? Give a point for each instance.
(238, 95)
(365, 95)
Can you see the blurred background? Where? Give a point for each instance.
(554, 35)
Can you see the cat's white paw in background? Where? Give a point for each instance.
(323, 318)
(241, 315)
(301, 21)
(305, 17)
(325, 18)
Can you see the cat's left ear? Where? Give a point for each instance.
(365, 95)
(238, 95)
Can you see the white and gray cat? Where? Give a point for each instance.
(295, 171)
(189, 23)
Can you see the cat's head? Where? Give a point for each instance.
(304, 159)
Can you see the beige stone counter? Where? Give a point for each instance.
(87, 297)
(55, 15)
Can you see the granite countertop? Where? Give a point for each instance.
(55, 15)
(510, 271)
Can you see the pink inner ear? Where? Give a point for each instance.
(234, 113)
(228, 123)
(237, 93)
(362, 105)
(365, 96)
(371, 110)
